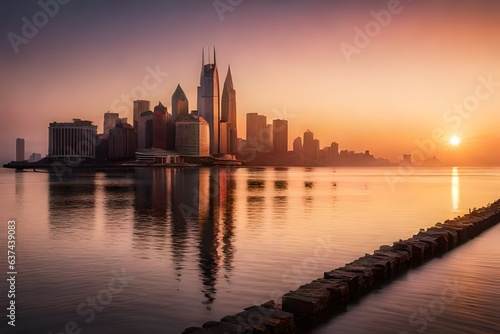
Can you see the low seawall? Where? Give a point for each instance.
(315, 302)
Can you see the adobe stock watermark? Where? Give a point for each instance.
(427, 314)
(373, 28)
(87, 309)
(224, 6)
(153, 78)
(454, 116)
(30, 28)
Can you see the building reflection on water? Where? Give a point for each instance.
(193, 203)
(67, 200)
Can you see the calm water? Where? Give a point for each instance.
(192, 245)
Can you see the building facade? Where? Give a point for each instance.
(180, 103)
(192, 136)
(228, 112)
(110, 119)
(160, 127)
(280, 136)
(256, 131)
(140, 106)
(72, 140)
(208, 100)
(122, 141)
(20, 149)
(145, 130)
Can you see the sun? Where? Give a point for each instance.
(455, 141)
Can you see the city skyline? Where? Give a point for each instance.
(405, 81)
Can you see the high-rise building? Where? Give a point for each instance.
(109, 123)
(316, 148)
(72, 140)
(334, 149)
(20, 149)
(192, 136)
(180, 103)
(228, 112)
(224, 133)
(140, 106)
(309, 145)
(297, 145)
(122, 141)
(160, 127)
(280, 136)
(208, 100)
(256, 131)
(145, 131)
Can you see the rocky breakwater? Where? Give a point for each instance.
(315, 302)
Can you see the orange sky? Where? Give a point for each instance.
(286, 60)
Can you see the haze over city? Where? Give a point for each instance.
(287, 61)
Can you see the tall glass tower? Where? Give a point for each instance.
(208, 100)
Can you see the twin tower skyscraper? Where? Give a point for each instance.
(220, 113)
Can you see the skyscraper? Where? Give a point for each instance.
(140, 106)
(228, 112)
(280, 136)
(297, 145)
(208, 100)
(180, 103)
(180, 107)
(110, 119)
(122, 141)
(20, 149)
(145, 131)
(256, 131)
(192, 136)
(160, 127)
(309, 145)
(334, 149)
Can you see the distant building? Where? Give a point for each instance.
(160, 127)
(109, 123)
(316, 148)
(180, 103)
(140, 106)
(297, 145)
(242, 144)
(228, 112)
(267, 139)
(180, 107)
(334, 149)
(20, 149)
(280, 136)
(192, 136)
(72, 140)
(145, 130)
(208, 100)
(34, 157)
(309, 148)
(407, 158)
(256, 128)
(122, 141)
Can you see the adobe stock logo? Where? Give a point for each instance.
(363, 37)
(49, 8)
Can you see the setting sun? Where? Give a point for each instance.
(455, 141)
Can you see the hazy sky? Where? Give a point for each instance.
(388, 95)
